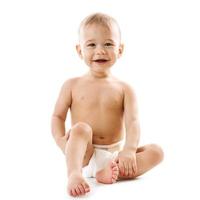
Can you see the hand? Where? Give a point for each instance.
(126, 160)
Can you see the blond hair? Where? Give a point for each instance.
(99, 19)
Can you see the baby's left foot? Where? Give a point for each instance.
(109, 174)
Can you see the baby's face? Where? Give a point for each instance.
(99, 46)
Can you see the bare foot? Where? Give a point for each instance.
(109, 174)
(77, 184)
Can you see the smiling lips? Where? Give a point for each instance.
(100, 60)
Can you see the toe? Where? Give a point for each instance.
(115, 168)
(115, 173)
(114, 176)
(113, 164)
(81, 188)
(86, 187)
(73, 192)
(78, 192)
(113, 180)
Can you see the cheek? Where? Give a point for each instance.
(115, 54)
(87, 54)
(115, 51)
(87, 57)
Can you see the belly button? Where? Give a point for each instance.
(101, 137)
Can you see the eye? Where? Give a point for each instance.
(91, 45)
(108, 44)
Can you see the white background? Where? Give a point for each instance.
(161, 61)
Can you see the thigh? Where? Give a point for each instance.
(147, 158)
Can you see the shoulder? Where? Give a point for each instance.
(126, 87)
(129, 94)
(69, 83)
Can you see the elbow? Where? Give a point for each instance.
(57, 126)
(58, 117)
(55, 122)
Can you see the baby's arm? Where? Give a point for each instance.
(59, 115)
(131, 119)
(127, 157)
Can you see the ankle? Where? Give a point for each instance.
(71, 172)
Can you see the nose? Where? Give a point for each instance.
(100, 50)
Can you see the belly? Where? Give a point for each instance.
(106, 140)
(107, 128)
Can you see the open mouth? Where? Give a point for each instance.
(100, 60)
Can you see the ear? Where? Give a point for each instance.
(78, 49)
(121, 49)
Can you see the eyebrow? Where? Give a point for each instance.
(110, 40)
(92, 40)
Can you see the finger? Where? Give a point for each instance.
(125, 169)
(135, 169)
(130, 170)
(121, 168)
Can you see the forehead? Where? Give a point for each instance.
(98, 31)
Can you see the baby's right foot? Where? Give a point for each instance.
(109, 174)
(77, 185)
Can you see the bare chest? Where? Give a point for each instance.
(98, 96)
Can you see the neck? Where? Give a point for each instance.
(99, 75)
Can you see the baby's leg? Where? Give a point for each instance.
(78, 151)
(109, 174)
(147, 157)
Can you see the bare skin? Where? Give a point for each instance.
(101, 107)
(84, 132)
(109, 174)
(109, 99)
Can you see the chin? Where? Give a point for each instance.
(100, 68)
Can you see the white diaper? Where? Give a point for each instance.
(101, 156)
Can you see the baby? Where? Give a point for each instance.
(103, 139)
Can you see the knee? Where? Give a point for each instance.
(157, 153)
(82, 129)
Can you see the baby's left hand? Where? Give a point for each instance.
(126, 160)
